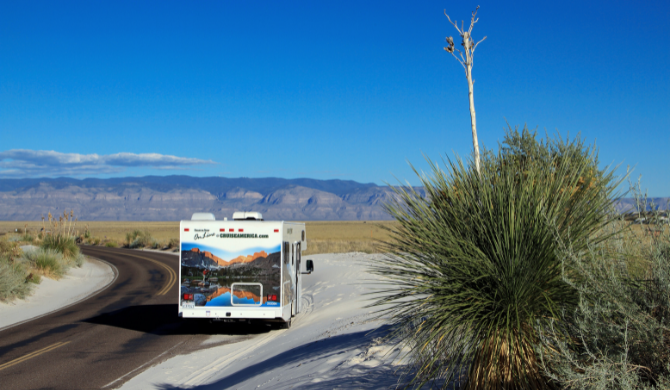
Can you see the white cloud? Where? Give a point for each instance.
(23, 163)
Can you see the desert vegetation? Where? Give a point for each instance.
(521, 276)
(322, 236)
(57, 252)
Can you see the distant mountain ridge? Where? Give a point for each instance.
(173, 198)
(166, 198)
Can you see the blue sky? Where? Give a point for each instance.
(326, 90)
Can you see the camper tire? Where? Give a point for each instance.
(287, 324)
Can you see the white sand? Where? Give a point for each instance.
(330, 345)
(51, 295)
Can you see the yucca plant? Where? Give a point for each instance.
(48, 261)
(472, 271)
(61, 243)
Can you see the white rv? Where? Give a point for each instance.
(241, 270)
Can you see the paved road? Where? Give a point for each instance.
(107, 339)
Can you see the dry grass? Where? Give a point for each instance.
(322, 236)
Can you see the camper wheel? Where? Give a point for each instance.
(287, 324)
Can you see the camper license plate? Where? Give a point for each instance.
(188, 305)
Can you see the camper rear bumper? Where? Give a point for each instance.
(231, 312)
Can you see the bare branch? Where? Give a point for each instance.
(462, 58)
(452, 23)
(459, 61)
(475, 46)
(473, 21)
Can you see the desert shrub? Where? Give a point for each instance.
(78, 260)
(64, 244)
(472, 273)
(9, 248)
(340, 246)
(173, 243)
(27, 237)
(95, 241)
(618, 337)
(139, 239)
(13, 283)
(111, 244)
(48, 261)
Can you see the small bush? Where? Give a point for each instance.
(51, 262)
(47, 261)
(111, 244)
(78, 261)
(34, 278)
(27, 237)
(618, 337)
(139, 239)
(173, 243)
(9, 249)
(13, 283)
(61, 243)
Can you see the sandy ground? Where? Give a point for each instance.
(52, 295)
(333, 343)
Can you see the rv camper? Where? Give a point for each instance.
(241, 270)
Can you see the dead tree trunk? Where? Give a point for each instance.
(466, 60)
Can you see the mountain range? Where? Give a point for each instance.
(170, 198)
(173, 198)
(223, 263)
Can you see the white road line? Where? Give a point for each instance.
(143, 365)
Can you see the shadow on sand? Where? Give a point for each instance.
(356, 376)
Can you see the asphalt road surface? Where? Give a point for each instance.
(105, 340)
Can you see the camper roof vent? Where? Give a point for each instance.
(247, 216)
(203, 217)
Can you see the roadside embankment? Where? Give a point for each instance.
(51, 295)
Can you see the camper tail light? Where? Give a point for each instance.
(276, 230)
(188, 297)
(185, 229)
(272, 297)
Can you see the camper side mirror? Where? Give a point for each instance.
(310, 267)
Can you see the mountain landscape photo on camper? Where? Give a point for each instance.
(220, 278)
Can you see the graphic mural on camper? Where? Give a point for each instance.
(238, 276)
